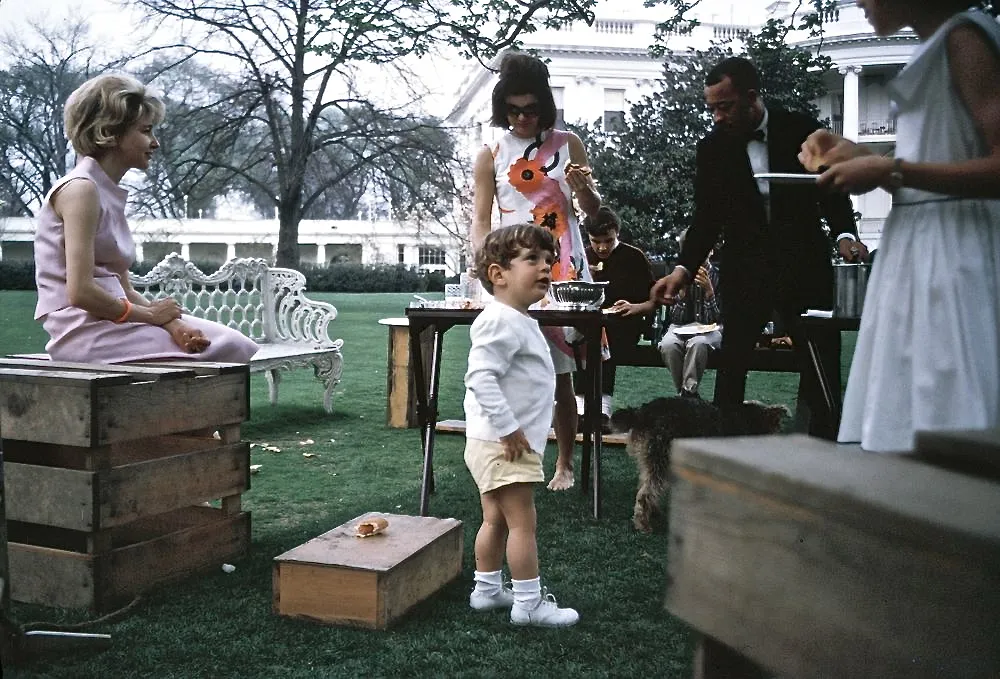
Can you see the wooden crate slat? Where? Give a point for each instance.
(188, 541)
(149, 372)
(57, 410)
(91, 501)
(199, 367)
(51, 496)
(51, 577)
(69, 378)
(137, 490)
(151, 409)
(213, 540)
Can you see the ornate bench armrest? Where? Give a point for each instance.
(296, 317)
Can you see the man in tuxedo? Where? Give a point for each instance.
(775, 255)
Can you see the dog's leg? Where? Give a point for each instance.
(644, 504)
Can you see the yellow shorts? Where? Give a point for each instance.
(490, 470)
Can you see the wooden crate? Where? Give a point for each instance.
(103, 466)
(818, 560)
(338, 578)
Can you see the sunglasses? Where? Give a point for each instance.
(529, 111)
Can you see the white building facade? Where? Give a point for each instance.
(321, 241)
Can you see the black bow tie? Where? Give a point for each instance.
(758, 135)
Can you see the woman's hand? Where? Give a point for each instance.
(823, 149)
(579, 178)
(160, 312)
(186, 337)
(859, 175)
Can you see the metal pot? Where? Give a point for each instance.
(850, 282)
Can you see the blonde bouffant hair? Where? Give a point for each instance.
(100, 111)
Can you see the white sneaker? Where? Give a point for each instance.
(488, 601)
(546, 613)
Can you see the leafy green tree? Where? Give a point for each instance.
(646, 168)
(43, 66)
(300, 64)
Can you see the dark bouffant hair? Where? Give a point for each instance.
(504, 244)
(522, 73)
(603, 222)
(741, 71)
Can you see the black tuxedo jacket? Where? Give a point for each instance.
(784, 261)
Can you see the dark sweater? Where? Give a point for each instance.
(627, 272)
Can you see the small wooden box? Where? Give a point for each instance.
(816, 560)
(338, 578)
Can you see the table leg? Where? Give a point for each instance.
(427, 406)
(832, 414)
(594, 407)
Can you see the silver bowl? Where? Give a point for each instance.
(578, 295)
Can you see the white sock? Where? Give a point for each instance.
(488, 581)
(527, 593)
(606, 404)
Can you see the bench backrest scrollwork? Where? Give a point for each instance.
(267, 304)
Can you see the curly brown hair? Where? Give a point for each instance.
(502, 245)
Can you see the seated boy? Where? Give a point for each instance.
(629, 278)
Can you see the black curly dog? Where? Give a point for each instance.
(652, 427)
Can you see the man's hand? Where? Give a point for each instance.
(187, 338)
(702, 280)
(852, 250)
(514, 445)
(665, 290)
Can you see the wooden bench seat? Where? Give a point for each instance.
(763, 359)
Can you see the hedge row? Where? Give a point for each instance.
(345, 277)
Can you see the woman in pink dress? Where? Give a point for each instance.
(83, 246)
(532, 174)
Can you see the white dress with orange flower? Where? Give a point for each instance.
(531, 187)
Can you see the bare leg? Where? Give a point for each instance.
(517, 504)
(491, 540)
(565, 425)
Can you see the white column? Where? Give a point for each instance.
(852, 103)
(321, 254)
(1, 252)
(186, 251)
(138, 252)
(230, 250)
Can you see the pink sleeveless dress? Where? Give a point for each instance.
(79, 336)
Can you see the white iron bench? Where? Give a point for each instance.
(267, 304)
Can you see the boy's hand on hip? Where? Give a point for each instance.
(514, 445)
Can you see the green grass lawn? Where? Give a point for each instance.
(220, 625)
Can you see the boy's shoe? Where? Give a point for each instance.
(545, 614)
(483, 601)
